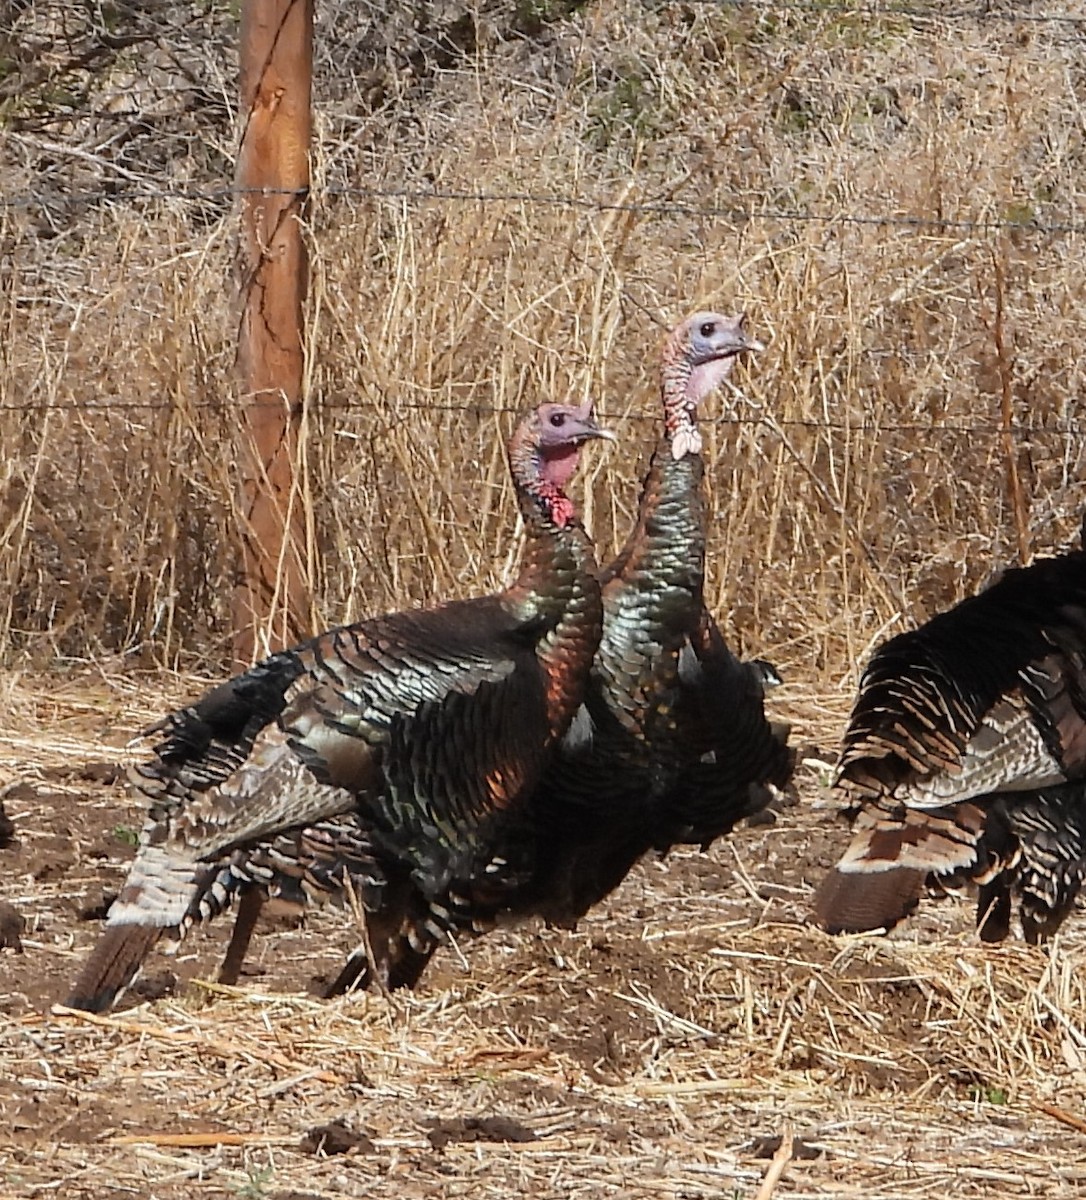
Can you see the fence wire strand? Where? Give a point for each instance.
(651, 208)
(393, 408)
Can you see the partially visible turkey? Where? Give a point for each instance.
(429, 728)
(965, 760)
(672, 744)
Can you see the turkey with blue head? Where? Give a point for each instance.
(672, 745)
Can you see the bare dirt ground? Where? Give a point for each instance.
(664, 1048)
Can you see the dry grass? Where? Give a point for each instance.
(656, 1051)
(836, 514)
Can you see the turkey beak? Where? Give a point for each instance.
(743, 341)
(587, 426)
(592, 430)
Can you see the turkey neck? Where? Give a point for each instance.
(665, 552)
(653, 591)
(663, 561)
(555, 589)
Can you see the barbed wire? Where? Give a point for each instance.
(735, 214)
(1071, 428)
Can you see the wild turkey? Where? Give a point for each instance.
(672, 745)
(965, 760)
(429, 726)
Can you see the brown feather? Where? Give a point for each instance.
(853, 902)
(112, 966)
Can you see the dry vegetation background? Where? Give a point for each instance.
(510, 199)
(748, 147)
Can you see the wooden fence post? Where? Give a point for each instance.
(272, 595)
